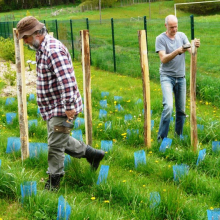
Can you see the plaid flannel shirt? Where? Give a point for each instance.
(57, 89)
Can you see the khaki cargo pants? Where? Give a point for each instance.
(59, 143)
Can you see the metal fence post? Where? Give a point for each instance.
(71, 30)
(192, 26)
(145, 28)
(8, 29)
(56, 29)
(113, 43)
(5, 28)
(87, 26)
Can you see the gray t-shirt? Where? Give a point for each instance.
(175, 67)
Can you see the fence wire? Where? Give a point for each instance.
(126, 48)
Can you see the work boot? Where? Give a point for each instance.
(53, 183)
(94, 156)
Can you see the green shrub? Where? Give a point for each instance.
(7, 49)
(10, 75)
(201, 9)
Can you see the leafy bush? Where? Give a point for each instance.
(7, 49)
(10, 75)
(202, 8)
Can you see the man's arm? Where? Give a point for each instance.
(165, 58)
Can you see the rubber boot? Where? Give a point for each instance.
(53, 183)
(94, 156)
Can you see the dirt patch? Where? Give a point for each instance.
(30, 81)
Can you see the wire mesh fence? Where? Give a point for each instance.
(114, 46)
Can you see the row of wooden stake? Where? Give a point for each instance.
(21, 92)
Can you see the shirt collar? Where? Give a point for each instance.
(44, 43)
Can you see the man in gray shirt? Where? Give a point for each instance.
(172, 74)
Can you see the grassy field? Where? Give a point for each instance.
(158, 10)
(127, 192)
(121, 196)
(127, 21)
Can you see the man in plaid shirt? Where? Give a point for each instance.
(58, 98)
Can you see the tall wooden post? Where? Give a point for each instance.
(146, 86)
(193, 122)
(86, 85)
(21, 94)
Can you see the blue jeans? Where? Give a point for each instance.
(170, 85)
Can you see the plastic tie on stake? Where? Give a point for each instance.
(28, 188)
(139, 101)
(201, 156)
(154, 199)
(171, 119)
(64, 209)
(77, 134)
(104, 94)
(108, 125)
(179, 171)
(82, 109)
(200, 127)
(119, 108)
(213, 214)
(139, 158)
(198, 118)
(67, 160)
(183, 137)
(106, 145)
(31, 97)
(152, 125)
(117, 98)
(103, 174)
(166, 143)
(213, 123)
(10, 117)
(35, 149)
(38, 111)
(128, 117)
(78, 122)
(102, 113)
(216, 146)
(0, 163)
(32, 122)
(9, 101)
(132, 133)
(103, 103)
(13, 144)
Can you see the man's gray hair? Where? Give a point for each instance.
(170, 17)
(42, 31)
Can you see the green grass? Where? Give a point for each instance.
(126, 193)
(127, 21)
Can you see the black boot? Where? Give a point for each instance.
(53, 183)
(94, 156)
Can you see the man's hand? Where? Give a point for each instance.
(197, 42)
(181, 50)
(70, 114)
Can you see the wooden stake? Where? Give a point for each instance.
(193, 122)
(86, 85)
(146, 86)
(21, 94)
